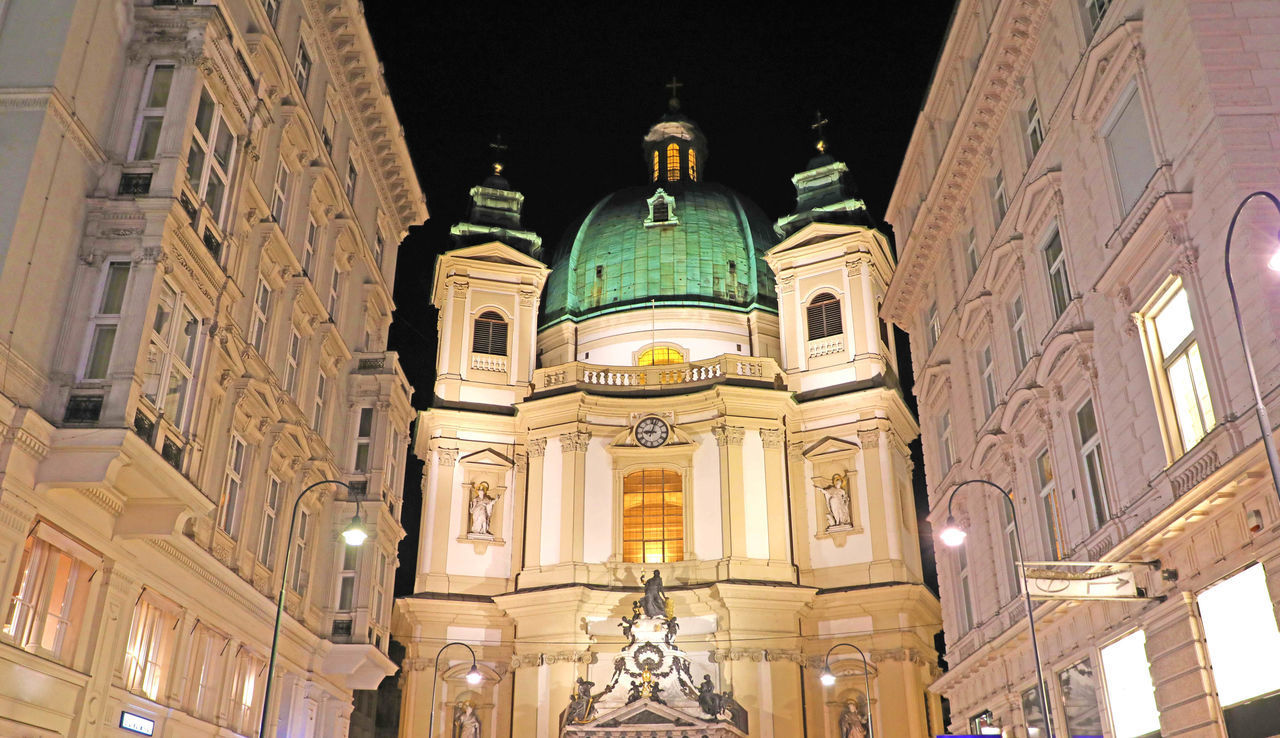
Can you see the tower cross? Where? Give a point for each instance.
(675, 86)
(819, 125)
(498, 147)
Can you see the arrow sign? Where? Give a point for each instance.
(1043, 584)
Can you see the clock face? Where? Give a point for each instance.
(652, 432)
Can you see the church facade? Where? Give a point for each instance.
(689, 394)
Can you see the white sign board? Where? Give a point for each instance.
(1116, 585)
(137, 724)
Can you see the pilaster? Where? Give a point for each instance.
(573, 458)
(533, 504)
(1179, 662)
(729, 441)
(775, 484)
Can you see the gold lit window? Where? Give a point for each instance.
(655, 165)
(652, 516)
(673, 163)
(693, 165)
(660, 355)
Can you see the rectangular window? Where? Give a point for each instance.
(261, 308)
(1048, 505)
(999, 199)
(146, 131)
(364, 439)
(966, 593)
(175, 332)
(335, 284)
(1079, 685)
(933, 328)
(149, 651)
(1018, 324)
(1132, 159)
(347, 578)
(209, 159)
(1056, 263)
(378, 246)
(291, 361)
(106, 319)
(302, 67)
(971, 253)
(946, 453)
(984, 723)
(309, 246)
(391, 478)
(232, 488)
(297, 574)
(317, 411)
(1014, 550)
(270, 514)
(379, 587)
(1131, 695)
(1241, 634)
(1178, 352)
(987, 369)
(1033, 714)
(1095, 9)
(279, 188)
(353, 175)
(1035, 129)
(328, 126)
(204, 671)
(245, 691)
(273, 9)
(48, 603)
(1095, 476)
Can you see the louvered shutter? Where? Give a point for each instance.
(823, 317)
(490, 336)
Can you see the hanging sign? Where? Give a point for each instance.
(1111, 581)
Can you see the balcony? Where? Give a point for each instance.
(729, 368)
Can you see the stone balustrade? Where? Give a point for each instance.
(710, 371)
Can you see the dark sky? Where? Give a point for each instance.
(573, 88)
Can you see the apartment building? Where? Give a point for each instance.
(200, 213)
(1062, 214)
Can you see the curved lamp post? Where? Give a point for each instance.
(1268, 443)
(354, 534)
(828, 679)
(474, 677)
(953, 535)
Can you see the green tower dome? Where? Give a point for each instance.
(677, 241)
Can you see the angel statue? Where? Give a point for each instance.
(481, 510)
(837, 503)
(466, 724)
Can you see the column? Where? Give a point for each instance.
(732, 506)
(775, 487)
(1180, 670)
(878, 485)
(441, 518)
(533, 505)
(573, 458)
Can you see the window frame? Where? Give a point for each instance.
(102, 318)
(309, 245)
(673, 162)
(328, 127)
(987, 379)
(965, 586)
(297, 577)
(261, 309)
(335, 292)
(29, 612)
(146, 111)
(1019, 328)
(248, 668)
(302, 66)
(999, 199)
(933, 327)
(292, 361)
(232, 495)
(1092, 459)
(946, 443)
(204, 669)
(485, 334)
(668, 476)
(825, 312)
(1035, 127)
(280, 193)
(971, 256)
(272, 496)
(319, 405)
(1131, 95)
(1177, 442)
(348, 574)
(1050, 507)
(1056, 273)
(362, 440)
(148, 656)
(168, 357)
(353, 178)
(210, 166)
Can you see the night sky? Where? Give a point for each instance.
(572, 89)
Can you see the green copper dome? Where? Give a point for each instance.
(705, 248)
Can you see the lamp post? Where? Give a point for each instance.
(953, 535)
(1268, 443)
(354, 535)
(828, 679)
(474, 677)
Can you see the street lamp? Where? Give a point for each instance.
(953, 535)
(1268, 443)
(354, 535)
(828, 679)
(474, 677)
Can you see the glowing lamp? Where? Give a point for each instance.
(828, 679)
(952, 535)
(1274, 263)
(474, 676)
(354, 534)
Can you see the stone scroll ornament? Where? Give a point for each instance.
(481, 511)
(839, 512)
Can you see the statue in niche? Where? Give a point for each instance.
(466, 724)
(838, 510)
(481, 511)
(851, 722)
(654, 601)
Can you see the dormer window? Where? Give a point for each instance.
(693, 165)
(673, 162)
(655, 165)
(662, 210)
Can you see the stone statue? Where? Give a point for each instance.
(673, 627)
(851, 725)
(481, 510)
(838, 512)
(465, 720)
(582, 704)
(711, 701)
(654, 601)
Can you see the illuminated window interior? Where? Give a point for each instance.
(673, 162)
(655, 165)
(652, 516)
(693, 165)
(660, 355)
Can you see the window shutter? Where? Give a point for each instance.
(490, 335)
(823, 317)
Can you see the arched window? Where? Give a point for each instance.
(490, 336)
(823, 316)
(693, 165)
(652, 516)
(655, 165)
(660, 355)
(673, 162)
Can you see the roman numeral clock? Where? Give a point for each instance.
(652, 432)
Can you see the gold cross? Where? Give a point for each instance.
(675, 85)
(498, 147)
(819, 125)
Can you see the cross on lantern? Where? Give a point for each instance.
(819, 125)
(498, 147)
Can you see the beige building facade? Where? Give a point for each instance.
(1061, 214)
(199, 218)
(691, 390)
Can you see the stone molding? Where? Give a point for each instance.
(537, 447)
(728, 435)
(771, 437)
(577, 441)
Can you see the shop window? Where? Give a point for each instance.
(48, 604)
(148, 654)
(1131, 695)
(1241, 634)
(652, 516)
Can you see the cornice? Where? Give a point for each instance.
(50, 99)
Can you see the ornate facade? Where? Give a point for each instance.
(689, 389)
(1063, 209)
(201, 209)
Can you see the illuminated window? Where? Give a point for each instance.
(823, 317)
(1240, 632)
(655, 165)
(490, 335)
(660, 355)
(246, 690)
(1049, 504)
(693, 165)
(652, 516)
(49, 598)
(673, 163)
(150, 647)
(1180, 384)
(1131, 695)
(204, 670)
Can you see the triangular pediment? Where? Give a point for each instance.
(495, 252)
(811, 234)
(486, 458)
(647, 717)
(829, 446)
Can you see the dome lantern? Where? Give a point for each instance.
(674, 148)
